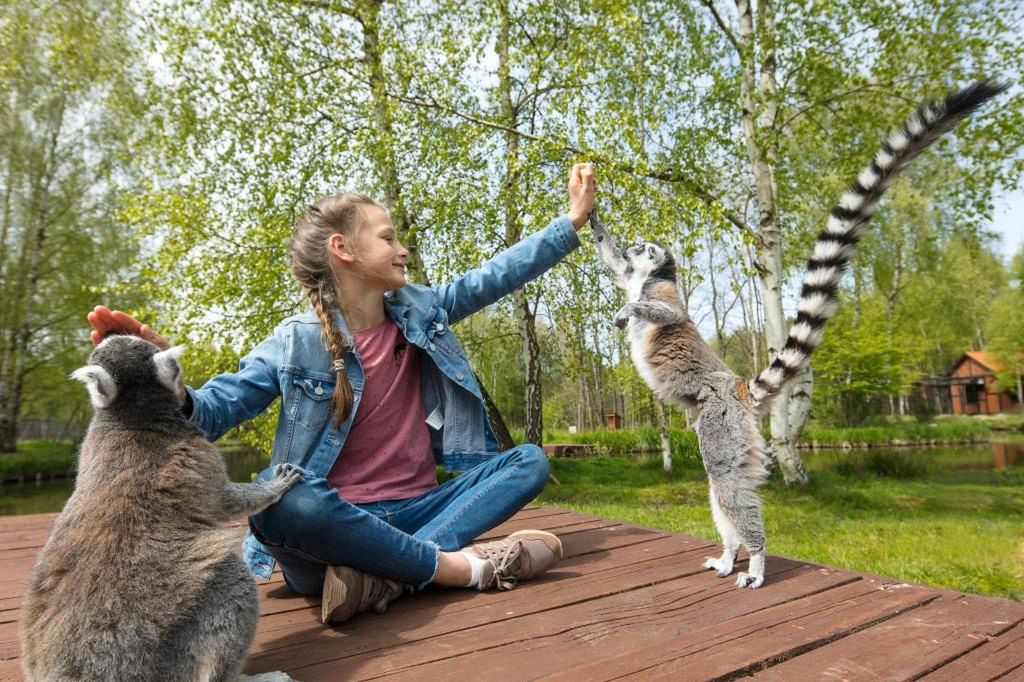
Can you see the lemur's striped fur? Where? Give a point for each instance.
(847, 223)
(680, 367)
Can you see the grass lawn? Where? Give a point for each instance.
(961, 529)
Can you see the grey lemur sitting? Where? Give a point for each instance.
(138, 580)
(680, 367)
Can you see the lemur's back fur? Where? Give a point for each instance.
(680, 367)
(847, 222)
(138, 580)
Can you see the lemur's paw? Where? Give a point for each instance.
(286, 475)
(749, 580)
(722, 569)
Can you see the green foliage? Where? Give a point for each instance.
(858, 362)
(1005, 331)
(49, 458)
(66, 126)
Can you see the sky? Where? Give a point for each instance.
(1008, 220)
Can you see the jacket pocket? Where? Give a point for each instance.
(311, 401)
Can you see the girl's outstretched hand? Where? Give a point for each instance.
(582, 188)
(104, 321)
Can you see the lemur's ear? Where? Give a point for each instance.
(99, 383)
(167, 368)
(651, 251)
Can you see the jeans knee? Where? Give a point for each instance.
(536, 462)
(297, 509)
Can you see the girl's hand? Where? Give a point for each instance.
(104, 321)
(582, 187)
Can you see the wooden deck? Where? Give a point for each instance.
(627, 602)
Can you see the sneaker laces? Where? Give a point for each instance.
(503, 556)
(381, 592)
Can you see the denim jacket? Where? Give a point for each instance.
(294, 364)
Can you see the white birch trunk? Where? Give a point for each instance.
(760, 104)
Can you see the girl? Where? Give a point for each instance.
(375, 391)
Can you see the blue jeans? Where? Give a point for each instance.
(311, 528)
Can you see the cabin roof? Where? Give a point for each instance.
(983, 358)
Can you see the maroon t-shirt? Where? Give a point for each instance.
(387, 454)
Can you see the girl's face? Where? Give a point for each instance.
(379, 257)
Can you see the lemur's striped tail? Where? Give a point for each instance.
(846, 224)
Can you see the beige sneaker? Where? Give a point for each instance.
(522, 555)
(348, 592)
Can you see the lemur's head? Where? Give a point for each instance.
(131, 374)
(649, 260)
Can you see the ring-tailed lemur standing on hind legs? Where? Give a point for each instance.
(680, 367)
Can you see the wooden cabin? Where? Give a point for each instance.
(972, 386)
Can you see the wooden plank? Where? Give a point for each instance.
(10, 670)
(743, 644)
(1001, 657)
(15, 554)
(630, 544)
(8, 523)
(275, 597)
(639, 560)
(18, 562)
(566, 523)
(9, 641)
(626, 602)
(10, 616)
(24, 539)
(641, 603)
(627, 552)
(926, 639)
(13, 587)
(558, 523)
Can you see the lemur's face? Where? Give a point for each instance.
(649, 259)
(123, 364)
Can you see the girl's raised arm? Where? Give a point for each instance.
(526, 260)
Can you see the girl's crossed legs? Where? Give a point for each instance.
(311, 528)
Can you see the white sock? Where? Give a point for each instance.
(476, 566)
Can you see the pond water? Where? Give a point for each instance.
(1006, 452)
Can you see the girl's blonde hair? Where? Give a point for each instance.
(311, 265)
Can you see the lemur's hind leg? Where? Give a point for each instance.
(737, 515)
(730, 539)
(213, 644)
(731, 450)
(742, 508)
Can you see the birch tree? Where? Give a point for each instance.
(63, 88)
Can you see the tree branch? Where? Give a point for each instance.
(330, 5)
(667, 175)
(888, 89)
(710, 4)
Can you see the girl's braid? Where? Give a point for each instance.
(311, 266)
